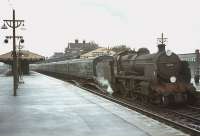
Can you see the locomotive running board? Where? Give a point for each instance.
(132, 77)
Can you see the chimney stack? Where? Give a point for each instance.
(76, 41)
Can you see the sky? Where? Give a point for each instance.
(51, 24)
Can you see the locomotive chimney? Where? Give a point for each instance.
(161, 41)
(161, 47)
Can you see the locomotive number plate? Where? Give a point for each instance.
(169, 65)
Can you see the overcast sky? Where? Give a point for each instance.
(51, 24)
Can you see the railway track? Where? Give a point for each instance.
(165, 115)
(190, 112)
(189, 116)
(187, 123)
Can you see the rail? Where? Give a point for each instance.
(185, 128)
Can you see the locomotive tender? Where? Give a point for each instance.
(160, 78)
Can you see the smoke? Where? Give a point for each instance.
(105, 84)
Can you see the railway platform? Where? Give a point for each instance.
(48, 106)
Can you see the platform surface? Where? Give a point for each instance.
(46, 106)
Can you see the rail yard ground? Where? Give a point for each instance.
(48, 106)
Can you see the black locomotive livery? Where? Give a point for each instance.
(160, 78)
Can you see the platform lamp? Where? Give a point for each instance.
(13, 23)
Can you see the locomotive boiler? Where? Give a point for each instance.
(160, 77)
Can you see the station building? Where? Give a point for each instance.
(75, 49)
(193, 60)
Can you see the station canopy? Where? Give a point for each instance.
(25, 55)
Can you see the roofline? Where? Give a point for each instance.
(186, 54)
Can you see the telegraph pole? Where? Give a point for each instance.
(13, 24)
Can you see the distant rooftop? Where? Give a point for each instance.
(81, 45)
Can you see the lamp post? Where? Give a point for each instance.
(197, 72)
(13, 24)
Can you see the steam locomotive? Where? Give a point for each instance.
(160, 78)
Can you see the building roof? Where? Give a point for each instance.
(98, 52)
(25, 55)
(79, 45)
(57, 55)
